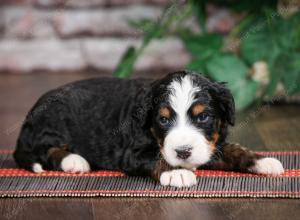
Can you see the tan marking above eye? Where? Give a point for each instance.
(165, 112)
(197, 109)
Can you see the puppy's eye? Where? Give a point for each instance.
(164, 121)
(202, 118)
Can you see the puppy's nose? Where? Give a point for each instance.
(183, 152)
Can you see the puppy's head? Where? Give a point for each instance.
(189, 117)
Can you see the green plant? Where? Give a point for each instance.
(263, 36)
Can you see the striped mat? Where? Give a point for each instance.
(16, 182)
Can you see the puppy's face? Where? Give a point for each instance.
(190, 116)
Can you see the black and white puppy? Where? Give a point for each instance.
(164, 129)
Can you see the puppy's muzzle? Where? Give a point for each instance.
(183, 152)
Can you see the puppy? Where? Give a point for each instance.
(164, 129)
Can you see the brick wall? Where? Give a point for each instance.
(73, 35)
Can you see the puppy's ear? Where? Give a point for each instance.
(223, 101)
(143, 107)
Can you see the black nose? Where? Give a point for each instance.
(183, 152)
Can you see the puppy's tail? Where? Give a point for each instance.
(25, 158)
(27, 161)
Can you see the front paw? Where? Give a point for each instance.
(268, 165)
(178, 178)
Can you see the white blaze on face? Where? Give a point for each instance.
(183, 132)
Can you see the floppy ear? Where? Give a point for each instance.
(143, 107)
(223, 101)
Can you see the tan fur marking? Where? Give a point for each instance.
(160, 167)
(212, 146)
(216, 137)
(213, 142)
(58, 153)
(159, 141)
(165, 112)
(197, 109)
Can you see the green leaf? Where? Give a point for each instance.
(197, 65)
(153, 31)
(258, 46)
(271, 37)
(231, 69)
(256, 6)
(245, 25)
(125, 66)
(150, 28)
(286, 31)
(274, 43)
(227, 68)
(200, 12)
(286, 68)
(203, 46)
(296, 21)
(291, 75)
(277, 70)
(244, 93)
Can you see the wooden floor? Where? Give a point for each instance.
(260, 128)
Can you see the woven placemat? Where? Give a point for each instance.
(16, 182)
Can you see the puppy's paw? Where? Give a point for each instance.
(178, 178)
(74, 163)
(37, 168)
(268, 165)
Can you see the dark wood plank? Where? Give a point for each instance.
(279, 128)
(42, 209)
(245, 132)
(147, 208)
(196, 209)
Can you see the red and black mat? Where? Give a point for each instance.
(21, 183)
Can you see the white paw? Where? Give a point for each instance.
(268, 165)
(75, 163)
(178, 178)
(37, 168)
